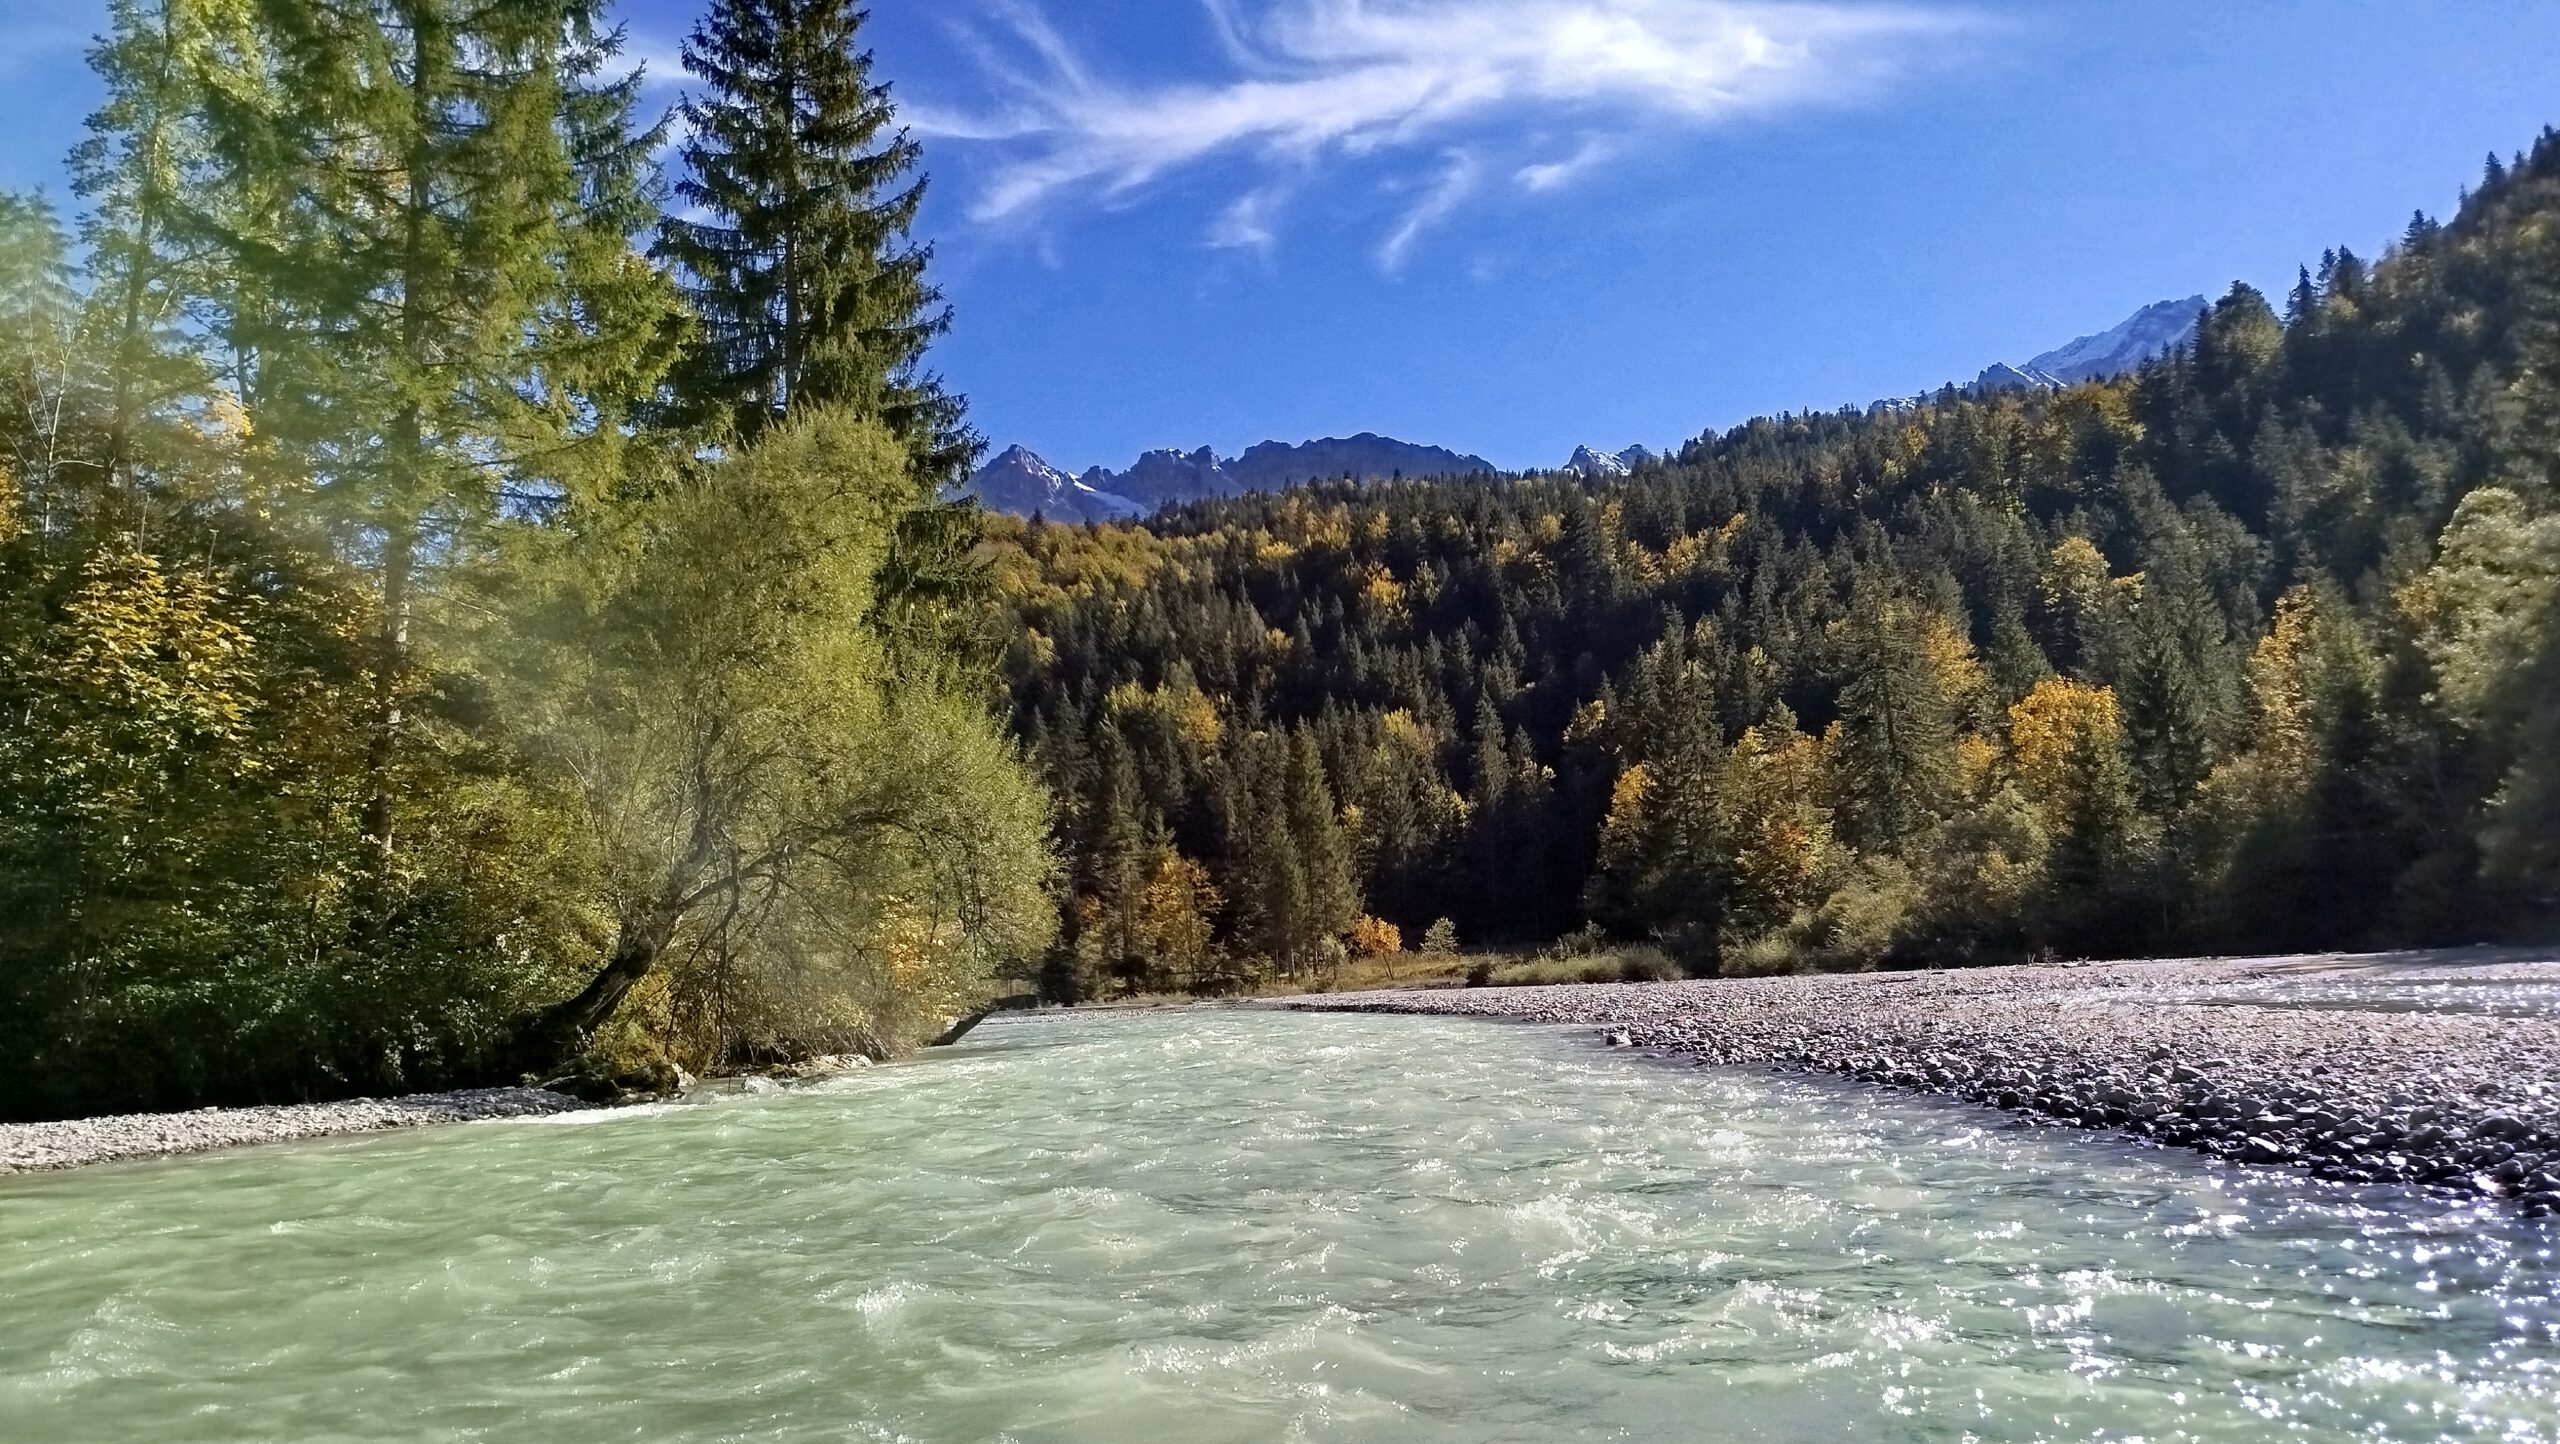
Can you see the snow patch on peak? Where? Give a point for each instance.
(1589, 462)
(2126, 345)
(1019, 482)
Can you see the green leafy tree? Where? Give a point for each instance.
(47, 399)
(824, 854)
(2489, 613)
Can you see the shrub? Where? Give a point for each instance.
(1375, 938)
(1635, 963)
(1644, 963)
(1764, 956)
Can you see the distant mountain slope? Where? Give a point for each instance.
(1272, 466)
(2125, 346)
(2116, 351)
(1588, 462)
(1019, 482)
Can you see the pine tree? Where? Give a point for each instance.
(1331, 899)
(1897, 754)
(2168, 718)
(1659, 870)
(798, 266)
(1117, 856)
(1273, 905)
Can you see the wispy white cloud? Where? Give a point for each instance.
(1547, 175)
(1440, 201)
(1251, 222)
(1328, 79)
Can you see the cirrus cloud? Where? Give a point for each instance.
(1443, 87)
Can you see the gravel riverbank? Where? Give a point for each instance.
(2439, 1068)
(34, 1147)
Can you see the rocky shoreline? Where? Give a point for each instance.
(75, 1142)
(2439, 1069)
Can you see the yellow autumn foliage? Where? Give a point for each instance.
(1375, 938)
(2053, 725)
(1186, 712)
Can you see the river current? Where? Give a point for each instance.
(1234, 1225)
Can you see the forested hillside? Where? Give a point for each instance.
(2259, 648)
(456, 622)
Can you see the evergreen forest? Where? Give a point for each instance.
(2257, 649)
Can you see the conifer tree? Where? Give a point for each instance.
(451, 313)
(159, 207)
(2168, 720)
(1331, 895)
(799, 267)
(1896, 759)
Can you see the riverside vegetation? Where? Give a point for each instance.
(455, 622)
(2256, 649)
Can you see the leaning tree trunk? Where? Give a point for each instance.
(556, 1036)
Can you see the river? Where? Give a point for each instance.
(1238, 1225)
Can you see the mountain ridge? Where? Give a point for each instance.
(1019, 482)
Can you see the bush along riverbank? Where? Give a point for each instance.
(2437, 1069)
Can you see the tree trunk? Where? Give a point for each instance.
(390, 660)
(563, 1031)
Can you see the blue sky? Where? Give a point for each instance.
(1509, 226)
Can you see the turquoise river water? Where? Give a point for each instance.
(1233, 1225)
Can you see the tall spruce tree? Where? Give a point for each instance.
(803, 281)
(1897, 761)
(1331, 893)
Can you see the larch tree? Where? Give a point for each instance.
(160, 213)
(452, 318)
(42, 396)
